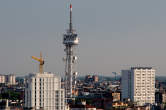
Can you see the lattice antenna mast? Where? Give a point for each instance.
(70, 39)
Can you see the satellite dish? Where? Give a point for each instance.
(75, 73)
(75, 58)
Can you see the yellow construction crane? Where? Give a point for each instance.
(41, 61)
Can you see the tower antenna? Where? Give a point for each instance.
(70, 40)
(70, 24)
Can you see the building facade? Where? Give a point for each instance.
(8, 79)
(2, 79)
(82, 106)
(43, 91)
(95, 78)
(138, 84)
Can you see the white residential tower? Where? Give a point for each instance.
(138, 84)
(43, 91)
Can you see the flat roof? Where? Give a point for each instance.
(141, 67)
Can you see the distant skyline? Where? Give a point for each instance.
(114, 35)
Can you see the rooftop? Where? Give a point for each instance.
(141, 68)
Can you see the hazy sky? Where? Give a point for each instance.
(114, 35)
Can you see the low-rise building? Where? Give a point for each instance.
(8, 79)
(115, 96)
(82, 106)
(2, 79)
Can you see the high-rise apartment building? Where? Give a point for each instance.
(43, 91)
(138, 84)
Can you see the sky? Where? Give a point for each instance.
(114, 35)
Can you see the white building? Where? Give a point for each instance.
(138, 84)
(2, 79)
(11, 79)
(8, 79)
(44, 91)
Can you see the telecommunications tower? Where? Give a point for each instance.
(70, 40)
